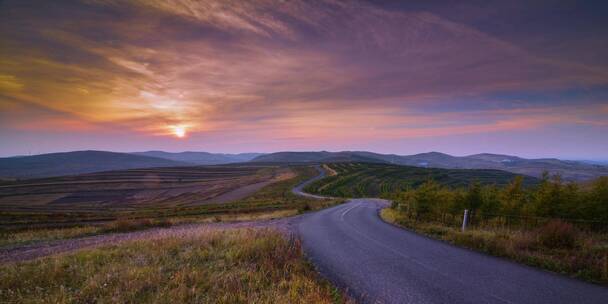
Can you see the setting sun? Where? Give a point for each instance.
(179, 131)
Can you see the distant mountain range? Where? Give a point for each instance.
(569, 170)
(78, 162)
(202, 158)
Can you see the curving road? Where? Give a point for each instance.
(379, 263)
(299, 189)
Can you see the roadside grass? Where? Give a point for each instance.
(29, 236)
(585, 258)
(23, 237)
(231, 266)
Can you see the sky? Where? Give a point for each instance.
(527, 78)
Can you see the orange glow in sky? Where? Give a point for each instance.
(271, 75)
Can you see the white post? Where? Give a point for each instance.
(464, 219)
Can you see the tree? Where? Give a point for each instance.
(512, 198)
(474, 199)
(598, 200)
(425, 197)
(490, 205)
(548, 197)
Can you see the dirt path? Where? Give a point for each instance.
(245, 191)
(37, 250)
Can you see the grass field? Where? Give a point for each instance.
(124, 194)
(130, 189)
(382, 180)
(233, 266)
(272, 201)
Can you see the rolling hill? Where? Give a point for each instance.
(78, 162)
(569, 170)
(202, 158)
(319, 157)
(377, 179)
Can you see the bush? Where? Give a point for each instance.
(557, 234)
(304, 208)
(125, 225)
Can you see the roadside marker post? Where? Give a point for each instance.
(464, 219)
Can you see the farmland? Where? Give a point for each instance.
(128, 189)
(176, 194)
(382, 180)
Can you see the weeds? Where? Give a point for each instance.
(557, 246)
(237, 266)
(557, 234)
(126, 225)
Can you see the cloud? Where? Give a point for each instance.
(279, 69)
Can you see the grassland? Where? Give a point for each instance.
(110, 196)
(382, 180)
(273, 201)
(556, 247)
(234, 266)
(129, 190)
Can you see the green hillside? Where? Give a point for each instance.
(379, 180)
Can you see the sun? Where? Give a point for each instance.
(179, 131)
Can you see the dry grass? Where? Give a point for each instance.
(235, 266)
(555, 247)
(23, 237)
(126, 225)
(15, 238)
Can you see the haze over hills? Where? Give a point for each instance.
(569, 170)
(55, 164)
(77, 162)
(202, 158)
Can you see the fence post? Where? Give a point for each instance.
(464, 219)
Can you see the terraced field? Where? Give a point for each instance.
(381, 180)
(136, 193)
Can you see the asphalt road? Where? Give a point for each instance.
(299, 189)
(379, 263)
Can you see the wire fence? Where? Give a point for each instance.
(486, 220)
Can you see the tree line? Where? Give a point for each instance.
(551, 198)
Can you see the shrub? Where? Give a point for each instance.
(125, 225)
(557, 234)
(304, 208)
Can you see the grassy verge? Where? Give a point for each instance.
(235, 266)
(585, 258)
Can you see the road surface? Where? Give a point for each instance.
(379, 263)
(299, 189)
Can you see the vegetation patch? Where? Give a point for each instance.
(556, 246)
(234, 266)
(383, 180)
(547, 223)
(273, 201)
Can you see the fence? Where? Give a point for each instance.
(485, 220)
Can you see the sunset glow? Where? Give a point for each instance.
(179, 131)
(304, 75)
